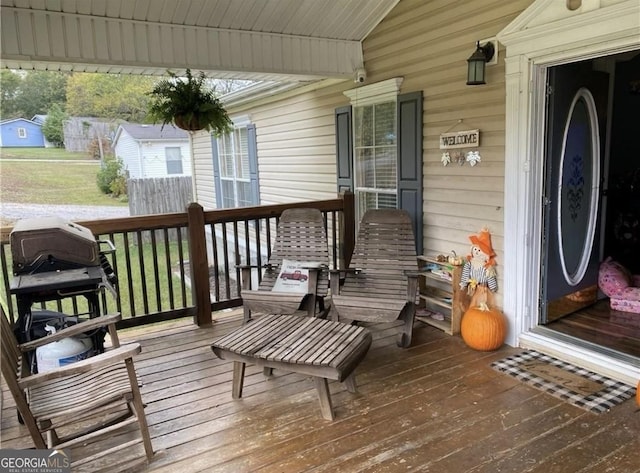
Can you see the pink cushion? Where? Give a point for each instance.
(625, 305)
(613, 278)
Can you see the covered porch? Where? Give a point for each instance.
(437, 406)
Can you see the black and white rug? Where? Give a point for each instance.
(578, 386)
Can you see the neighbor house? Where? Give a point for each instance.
(152, 151)
(20, 132)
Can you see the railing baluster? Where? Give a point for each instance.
(256, 227)
(183, 279)
(225, 260)
(334, 239)
(143, 273)
(167, 259)
(127, 255)
(114, 266)
(216, 261)
(156, 270)
(237, 260)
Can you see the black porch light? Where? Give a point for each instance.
(477, 62)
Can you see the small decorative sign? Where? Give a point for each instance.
(460, 139)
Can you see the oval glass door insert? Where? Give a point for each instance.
(579, 190)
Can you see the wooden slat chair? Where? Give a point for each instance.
(79, 402)
(381, 284)
(301, 236)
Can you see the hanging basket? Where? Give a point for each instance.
(192, 124)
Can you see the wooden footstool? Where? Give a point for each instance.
(320, 348)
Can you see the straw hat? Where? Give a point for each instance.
(483, 241)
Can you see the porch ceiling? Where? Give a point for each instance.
(289, 40)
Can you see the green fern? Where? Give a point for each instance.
(188, 104)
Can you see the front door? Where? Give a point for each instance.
(576, 106)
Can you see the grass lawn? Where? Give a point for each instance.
(50, 182)
(43, 153)
(155, 267)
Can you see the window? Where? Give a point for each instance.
(173, 157)
(233, 155)
(236, 168)
(379, 149)
(375, 156)
(22, 132)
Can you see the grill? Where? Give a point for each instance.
(53, 244)
(54, 259)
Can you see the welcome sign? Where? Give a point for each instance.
(460, 139)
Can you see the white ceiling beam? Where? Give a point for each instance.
(37, 38)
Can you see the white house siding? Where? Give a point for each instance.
(154, 161)
(146, 159)
(205, 191)
(127, 149)
(296, 146)
(295, 142)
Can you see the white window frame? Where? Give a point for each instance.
(236, 153)
(22, 132)
(371, 95)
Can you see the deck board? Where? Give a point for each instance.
(437, 406)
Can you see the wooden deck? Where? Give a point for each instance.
(437, 406)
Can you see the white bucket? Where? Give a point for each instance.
(63, 352)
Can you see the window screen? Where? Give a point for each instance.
(375, 156)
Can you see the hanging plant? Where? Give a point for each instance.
(189, 104)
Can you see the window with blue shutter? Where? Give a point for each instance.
(379, 155)
(235, 166)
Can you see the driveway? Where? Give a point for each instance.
(13, 212)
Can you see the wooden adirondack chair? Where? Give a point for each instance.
(301, 236)
(382, 282)
(76, 403)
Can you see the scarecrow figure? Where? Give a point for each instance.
(479, 273)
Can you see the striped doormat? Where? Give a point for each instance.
(578, 386)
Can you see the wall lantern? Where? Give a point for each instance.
(477, 62)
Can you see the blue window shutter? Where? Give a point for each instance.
(344, 149)
(253, 164)
(216, 172)
(410, 160)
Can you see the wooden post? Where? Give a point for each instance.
(199, 265)
(348, 227)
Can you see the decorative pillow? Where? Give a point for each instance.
(613, 278)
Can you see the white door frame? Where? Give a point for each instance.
(544, 35)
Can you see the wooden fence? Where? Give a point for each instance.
(159, 195)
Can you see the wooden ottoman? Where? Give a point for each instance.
(320, 348)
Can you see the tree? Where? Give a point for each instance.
(225, 86)
(9, 87)
(53, 125)
(39, 90)
(112, 96)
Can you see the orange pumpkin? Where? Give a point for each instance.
(483, 328)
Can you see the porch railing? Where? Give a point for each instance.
(184, 264)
